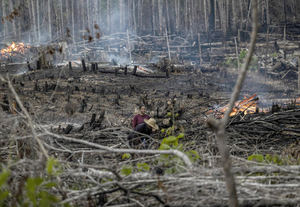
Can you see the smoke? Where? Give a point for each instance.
(21, 71)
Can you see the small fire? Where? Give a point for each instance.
(250, 105)
(247, 106)
(13, 49)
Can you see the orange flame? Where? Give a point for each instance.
(247, 106)
(13, 49)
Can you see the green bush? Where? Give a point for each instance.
(37, 191)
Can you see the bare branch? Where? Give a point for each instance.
(219, 126)
(180, 154)
(30, 122)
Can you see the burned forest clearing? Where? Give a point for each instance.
(219, 79)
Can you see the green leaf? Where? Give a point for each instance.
(50, 185)
(3, 195)
(276, 160)
(193, 155)
(47, 199)
(164, 147)
(126, 156)
(4, 176)
(170, 139)
(180, 147)
(169, 114)
(143, 167)
(268, 158)
(181, 135)
(256, 157)
(31, 188)
(51, 164)
(126, 170)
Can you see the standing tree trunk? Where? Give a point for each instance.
(235, 17)
(122, 17)
(88, 15)
(62, 18)
(154, 22)
(205, 16)
(177, 16)
(168, 21)
(160, 16)
(82, 15)
(242, 14)
(29, 19)
(14, 29)
(49, 20)
(298, 74)
(38, 21)
(4, 20)
(108, 16)
(73, 23)
(33, 20)
(215, 11)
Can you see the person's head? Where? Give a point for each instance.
(142, 110)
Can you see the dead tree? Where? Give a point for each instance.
(219, 126)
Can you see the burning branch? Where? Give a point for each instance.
(219, 126)
(13, 49)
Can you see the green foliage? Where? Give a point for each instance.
(4, 193)
(274, 55)
(232, 62)
(268, 158)
(164, 147)
(169, 131)
(53, 167)
(129, 169)
(180, 136)
(142, 167)
(126, 156)
(36, 191)
(242, 54)
(172, 142)
(256, 158)
(193, 155)
(126, 170)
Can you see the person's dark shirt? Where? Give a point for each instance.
(138, 119)
(143, 128)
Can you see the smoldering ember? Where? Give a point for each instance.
(150, 103)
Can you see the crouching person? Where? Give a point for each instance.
(148, 127)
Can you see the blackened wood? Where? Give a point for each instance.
(29, 67)
(83, 65)
(83, 105)
(68, 129)
(70, 65)
(94, 67)
(125, 70)
(38, 64)
(134, 70)
(93, 119)
(5, 103)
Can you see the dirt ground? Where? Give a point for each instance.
(98, 107)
